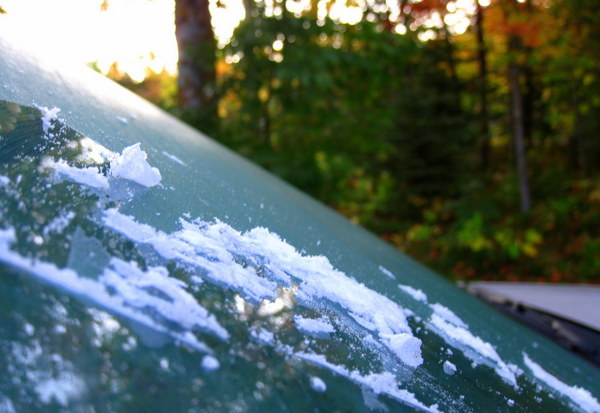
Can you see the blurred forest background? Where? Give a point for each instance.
(474, 147)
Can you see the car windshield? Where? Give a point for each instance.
(145, 268)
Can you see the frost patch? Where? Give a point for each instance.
(580, 397)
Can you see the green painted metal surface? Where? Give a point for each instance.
(220, 288)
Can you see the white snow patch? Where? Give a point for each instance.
(131, 164)
(387, 272)
(418, 295)
(174, 158)
(4, 180)
(579, 396)
(318, 385)
(449, 368)
(314, 326)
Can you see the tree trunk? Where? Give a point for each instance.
(484, 126)
(197, 78)
(518, 129)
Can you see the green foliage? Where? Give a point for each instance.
(384, 128)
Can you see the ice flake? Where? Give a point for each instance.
(418, 295)
(318, 385)
(132, 165)
(174, 158)
(579, 396)
(210, 363)
(387, 272)
(449, 368)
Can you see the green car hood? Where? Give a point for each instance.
(144, 267)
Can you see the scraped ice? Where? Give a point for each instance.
(418, 295)
(577, 395)
(125, 290)
(314, 326)
(132, 165)
(407, 347)
(473, 347)
(446, 314)
(257, 262)
(379, 383)
(89, 176)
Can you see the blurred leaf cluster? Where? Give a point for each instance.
(409, 134)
